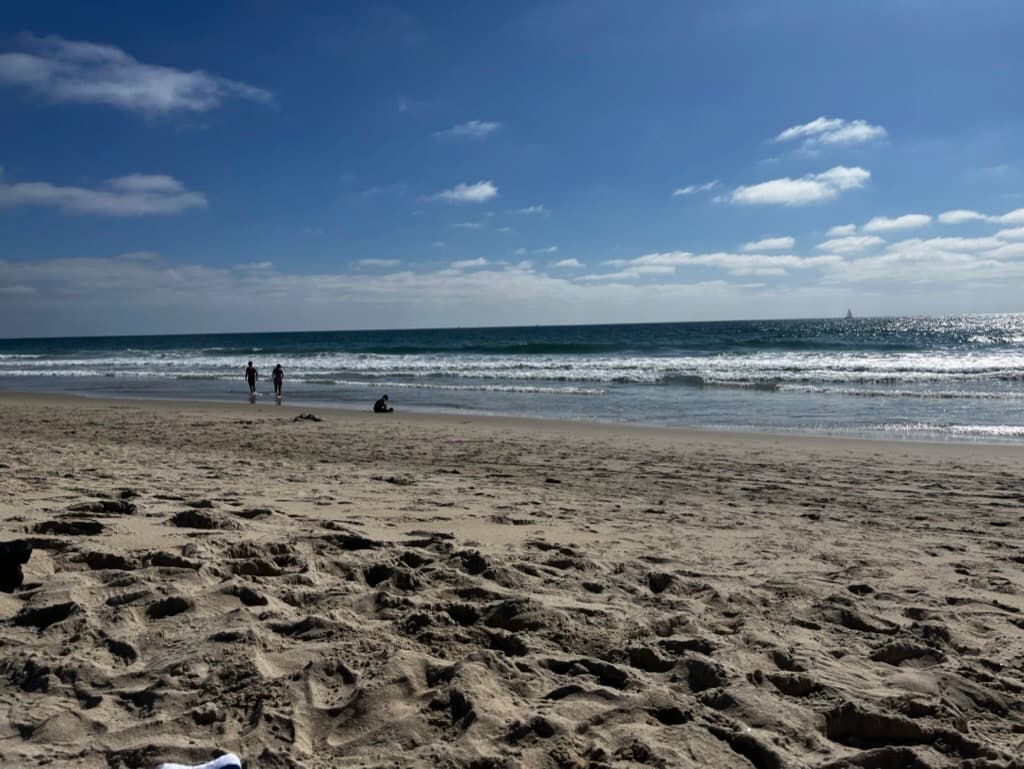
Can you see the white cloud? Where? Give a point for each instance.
(95, 295)
(833, 131)
(691, 189)
(132, 195)
(90, 73)
(961, 215)
(850, 244)
(546, 250)
(905, 222)
(467, 263)
(1007, 251)
(474, 129)
(520, 252)
(769, 244)
(736, 264)
(808, 189)
(950, 244)
(574, 263)
(249, 267)
(1017, 233)
(469, 193)
(632, 273)
(538, 210)
(980, 264)
(379, 262)
(842, 229)
(466, 226)
(438, 244)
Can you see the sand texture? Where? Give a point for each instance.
(415, 591)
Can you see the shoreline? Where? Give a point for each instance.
(440, 418)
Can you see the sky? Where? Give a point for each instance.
(258, 166)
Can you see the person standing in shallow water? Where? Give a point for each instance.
(278, 376)
(251, 375)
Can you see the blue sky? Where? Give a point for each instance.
(251, 166)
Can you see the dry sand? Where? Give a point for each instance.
(442, 591)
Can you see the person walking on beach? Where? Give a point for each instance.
(251, 375)
(381, 406)
(278, 376)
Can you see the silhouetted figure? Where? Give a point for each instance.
(381, 406)
(277, 375)
(251, 375)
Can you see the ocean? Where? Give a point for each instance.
(946, 378)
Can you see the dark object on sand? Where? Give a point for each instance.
(12, 555)
(310, 417)
(381, 406)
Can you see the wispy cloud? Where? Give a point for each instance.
(474, 129)
(666, 263)
(91, 73)
(692, 189)
(379, 262)
(480, 192)
(379, 190)
(812, 188)
(132, 195)
(466, 226)
(850, 244)
(833, 131)
(97, 292)
(961, 215)
(769, 244)
(465, 264)
(568, 263)
(842, 229)
(905, 222)
(533, 210)
(546, 250)
(921, 263)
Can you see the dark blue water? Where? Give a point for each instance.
(959, 378)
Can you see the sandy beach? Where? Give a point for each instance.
(411, 590)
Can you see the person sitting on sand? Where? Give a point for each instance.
(381, 406)
(278, 376)
(251, 375)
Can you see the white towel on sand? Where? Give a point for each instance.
(227, 761)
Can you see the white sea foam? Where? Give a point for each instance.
(782, 369)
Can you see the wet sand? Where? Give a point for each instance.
(441, 591)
